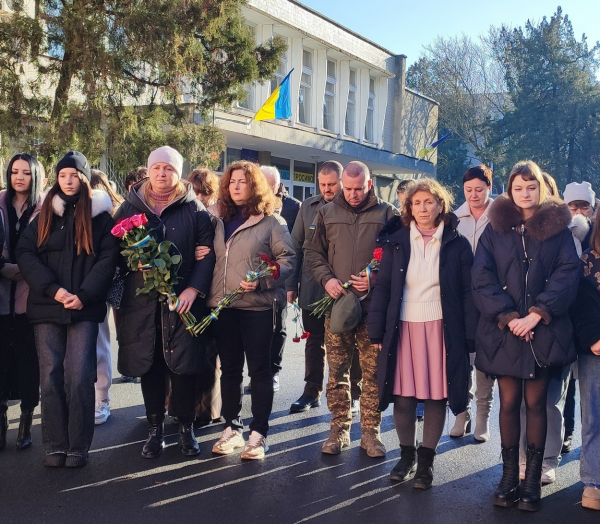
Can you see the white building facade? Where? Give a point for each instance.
(349, 102)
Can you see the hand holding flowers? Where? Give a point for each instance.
(361, 283)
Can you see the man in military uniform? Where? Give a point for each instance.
(342, 245)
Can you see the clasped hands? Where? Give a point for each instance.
(68, 300)
(522, 327)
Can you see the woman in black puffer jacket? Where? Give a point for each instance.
(68, 257)
(525, 277)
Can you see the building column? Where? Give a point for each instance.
(341, 95)
(295, 61)
(399, 84)
(319, 81)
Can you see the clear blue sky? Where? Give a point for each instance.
(404, 27)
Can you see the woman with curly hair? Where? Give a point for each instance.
(246, 228)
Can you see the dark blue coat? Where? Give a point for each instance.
(458, 310)
(515, 274)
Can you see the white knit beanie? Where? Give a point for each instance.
(583, 191)
(167, 155)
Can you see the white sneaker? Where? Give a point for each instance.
(102, 412)
(256, 447)
(548, 474)
(230, 440)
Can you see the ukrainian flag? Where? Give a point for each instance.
(279, 104)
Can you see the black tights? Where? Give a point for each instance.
(511, 395)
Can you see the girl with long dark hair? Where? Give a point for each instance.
(68, 257)
(19, 370)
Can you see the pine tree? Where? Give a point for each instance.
(555, 99)
(125, 75)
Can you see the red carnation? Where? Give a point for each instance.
(305, 335)
(377, 254)
(296, 339)
(277, 271)
(265, 259)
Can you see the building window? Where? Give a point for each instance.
(329, 100)
(369, 127)
(248, 101)
(282, 70)
(305, 95)
(351, 107)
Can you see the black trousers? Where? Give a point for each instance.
(155, 388)
(314, 359)
(570, 408)
(19, 368)
(246, 334)
(279, 338)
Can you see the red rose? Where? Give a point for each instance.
(144, 219)
(126, 224)
(136, 220)
(118, 231)
(377, 254)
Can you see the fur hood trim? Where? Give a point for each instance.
(552, 217)
(580, 227)
(101, 203)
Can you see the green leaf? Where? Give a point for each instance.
(165, 246)
(159, 263)
(176, 259)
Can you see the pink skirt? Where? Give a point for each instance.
(421, 362)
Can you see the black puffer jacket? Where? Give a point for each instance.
(458, 310)
(57, 265)
(515, 274)
(187, 225)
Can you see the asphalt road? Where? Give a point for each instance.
(295, 483)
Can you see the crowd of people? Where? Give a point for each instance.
(500, 291)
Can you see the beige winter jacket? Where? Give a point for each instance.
(259, 235)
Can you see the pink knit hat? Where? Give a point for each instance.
(167, 155)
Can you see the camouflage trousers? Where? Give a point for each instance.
(340, 350)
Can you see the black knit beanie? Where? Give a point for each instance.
(76, 160)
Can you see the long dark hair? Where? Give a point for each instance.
(82, 217)
(37, 179)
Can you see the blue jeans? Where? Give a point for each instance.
(67, 355)
(589, 394)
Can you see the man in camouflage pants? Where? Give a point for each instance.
(345, 232)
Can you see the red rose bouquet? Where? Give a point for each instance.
(159, 266)
(265, 268)
(323, 305)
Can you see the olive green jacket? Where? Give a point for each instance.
(343, 240)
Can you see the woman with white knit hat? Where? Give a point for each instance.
(153, 341)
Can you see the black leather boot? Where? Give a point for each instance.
(531, 487)
(424, 474)
(187, 440)
(407, 465)
(24, 437)
(3, 425)
(156, 437)
(507, 492)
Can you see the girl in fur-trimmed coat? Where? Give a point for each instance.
(68, 257)
(525, 277)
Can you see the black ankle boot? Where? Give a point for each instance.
(507, 492)
(407, 465)
(3, 425)
(531, 487)
(156, 437)
(424, 474)
(24, 437)
(187, 440)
